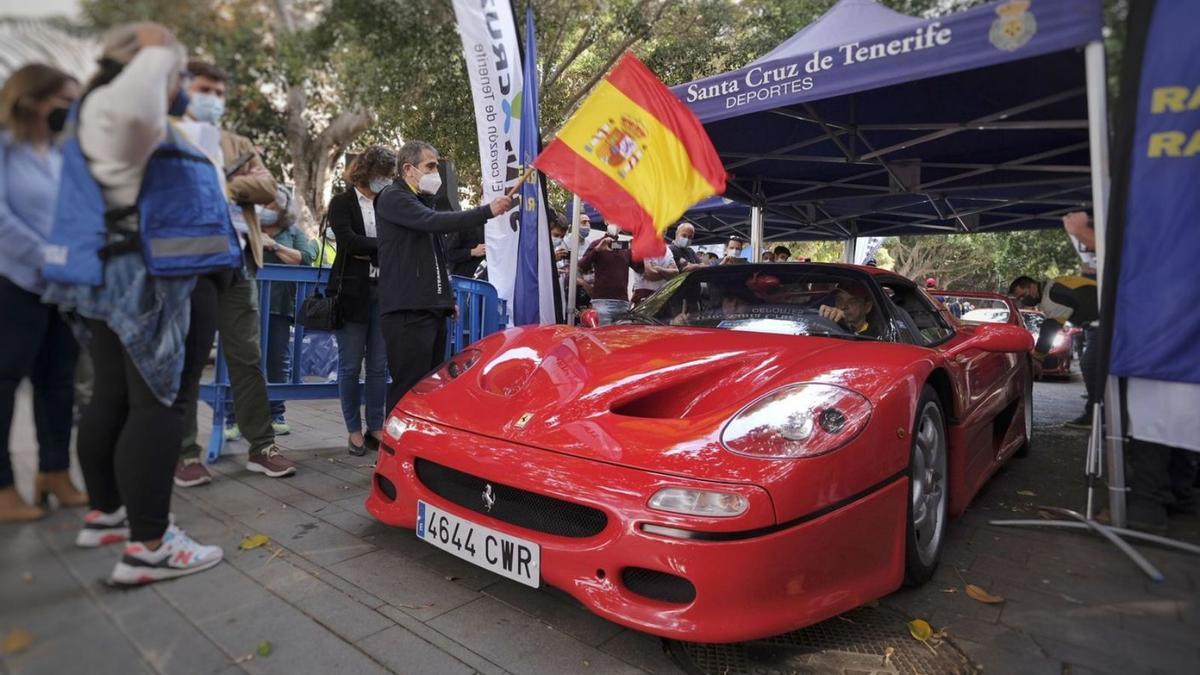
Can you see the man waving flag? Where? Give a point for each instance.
(637, 154)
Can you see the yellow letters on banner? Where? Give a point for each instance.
(1174, 99)
(1174, 143)
(650, 161)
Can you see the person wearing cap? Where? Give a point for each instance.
(150, 325)
(286, 244)
(248, 186)
(930, 282)
(852, 308)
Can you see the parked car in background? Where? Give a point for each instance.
(752, 449)
(1058, 361)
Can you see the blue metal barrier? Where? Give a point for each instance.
(481, 312)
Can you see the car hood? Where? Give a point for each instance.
(648, 397)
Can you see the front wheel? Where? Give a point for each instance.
(1027, 406)
(927, 491)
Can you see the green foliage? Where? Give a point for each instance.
(980, 261)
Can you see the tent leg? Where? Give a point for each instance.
(756, 233)
(1097, 102)
(573, 269)
(850, 250)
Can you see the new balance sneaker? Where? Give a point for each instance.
(270, 462)
(280, 426)
(232, 432)
(102, 529)
(191, 472)
(177, 556)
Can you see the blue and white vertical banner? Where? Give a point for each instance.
(490, 48)
(533, 292)
(1155, 326)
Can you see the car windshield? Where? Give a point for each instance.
(973, 309)
(1033, 321)
(781, 299)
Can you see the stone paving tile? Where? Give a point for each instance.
(557, 609)
(405, 584)
(641, 650)
(521, 643)
(299, 644)
(311, 537)
(403, 652)
(458, 650)
(111, 653)
(168, 640)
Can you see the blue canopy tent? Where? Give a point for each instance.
(873, 123)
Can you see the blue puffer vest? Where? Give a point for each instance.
(182, 217)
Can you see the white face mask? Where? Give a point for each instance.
(377, 184)
(682, 242)
(556, 241)
(430, 183)
(733, 252)
(206, 107)
(266, 217)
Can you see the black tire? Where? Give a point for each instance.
(1023, 451)
(928, 487)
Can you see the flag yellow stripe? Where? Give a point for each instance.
(664, 163)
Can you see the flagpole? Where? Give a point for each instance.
(573, 269)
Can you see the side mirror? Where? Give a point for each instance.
(998, 337)
(589, 318)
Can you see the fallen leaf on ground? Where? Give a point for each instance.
(17, 640)
(253, 541)
(278, 552)
(920, 629)
(244, 658)
(978, 594)
(1027, 493)
(264, 648)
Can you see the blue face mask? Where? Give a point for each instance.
(377, 184)
(207, 108)
(266, 217)
(179, 104)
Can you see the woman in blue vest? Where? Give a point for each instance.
(140, 245)
(35, 342)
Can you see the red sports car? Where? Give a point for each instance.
(753, 449)
(1058, 362)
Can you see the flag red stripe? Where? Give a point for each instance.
(592, 185)
(639, 83)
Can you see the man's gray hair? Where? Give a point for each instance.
(410, 153)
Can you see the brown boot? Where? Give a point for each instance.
(14, 509)
(58, 484)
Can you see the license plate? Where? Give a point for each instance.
(508, 556)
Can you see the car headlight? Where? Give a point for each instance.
(451, 369)
(395, 428)
(800, 420)
(699, 502)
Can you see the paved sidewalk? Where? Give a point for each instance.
(336, 592)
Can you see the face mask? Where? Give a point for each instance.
(179, 104)
(613, 231)
(682, 242)
(430, 183)
(733, 252)
(266, 217)
(556, 241)
(207, 108)
(585, 232)
(377, 184)
(57, 119)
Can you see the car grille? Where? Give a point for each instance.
(658, 585)
(512, 505)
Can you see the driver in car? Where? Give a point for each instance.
(852, 309)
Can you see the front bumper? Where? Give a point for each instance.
(752, 577)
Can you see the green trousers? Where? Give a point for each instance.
(238, 328)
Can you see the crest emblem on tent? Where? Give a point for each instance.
(617, 144)
(1015, 26)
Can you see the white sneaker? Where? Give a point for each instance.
(178, 556)
(102, 529)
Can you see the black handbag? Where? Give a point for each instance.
(320, 311)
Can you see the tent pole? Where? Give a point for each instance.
(1097, 102)
(573, 269)
(849, 250)
(756, 233)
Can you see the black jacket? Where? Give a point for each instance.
(413, 273)
(458, 251)
(350, 276)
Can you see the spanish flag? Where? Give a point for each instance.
(637, 154)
